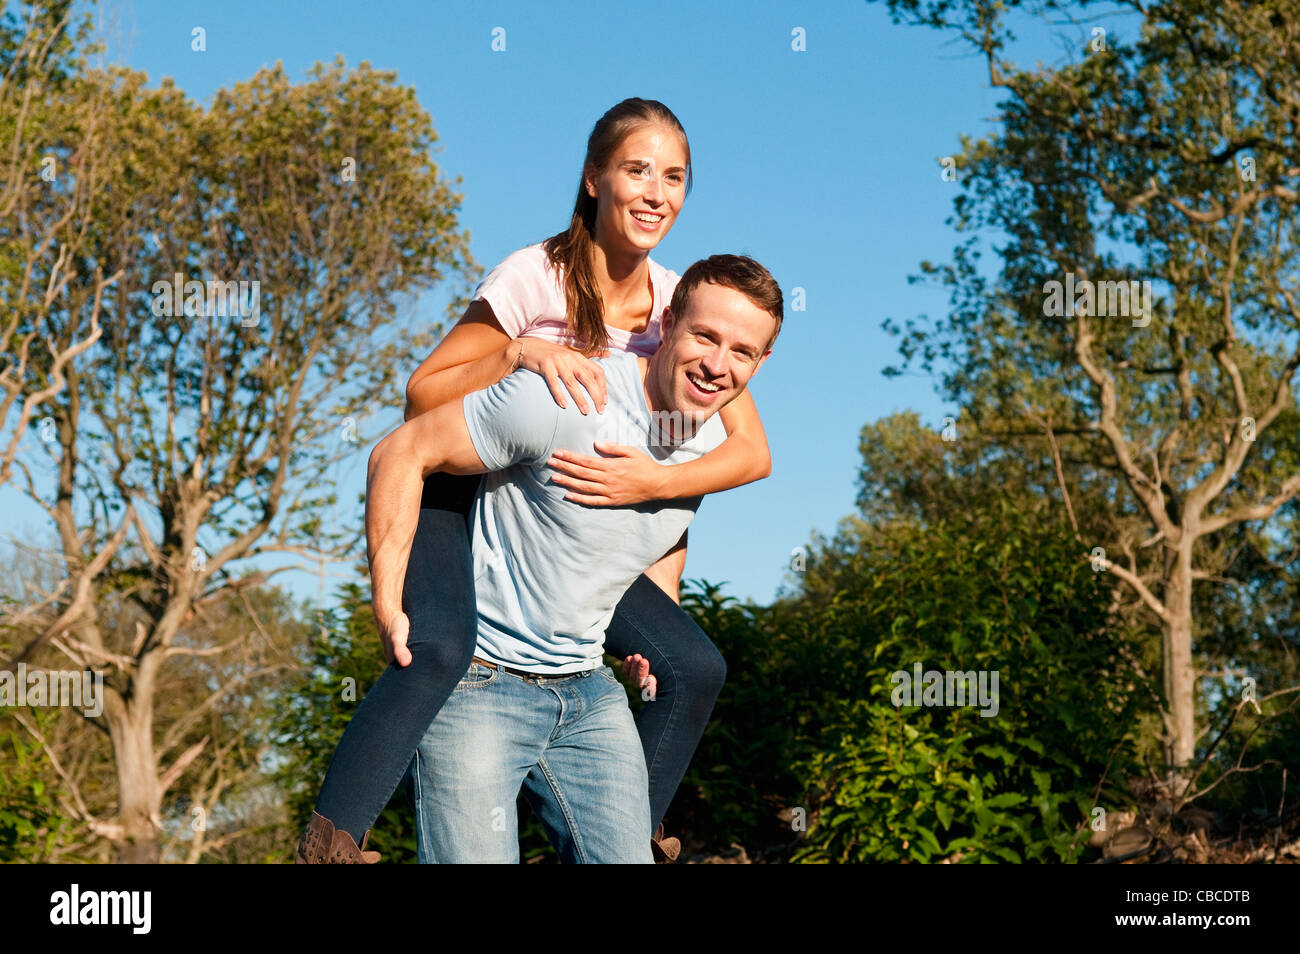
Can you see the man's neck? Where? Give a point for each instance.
(682, 427)
(653, 399)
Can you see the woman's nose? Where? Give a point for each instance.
(654, 191)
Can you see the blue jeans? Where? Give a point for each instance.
(569, 741)
(438, 598)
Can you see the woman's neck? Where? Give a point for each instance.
(621, 277)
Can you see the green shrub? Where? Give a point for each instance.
(806, 732)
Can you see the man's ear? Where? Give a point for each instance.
(761, 361)
(667, 322)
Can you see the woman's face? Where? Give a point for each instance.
(640, 191)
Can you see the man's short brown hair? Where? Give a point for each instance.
(738, 272)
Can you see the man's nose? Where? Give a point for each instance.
(714, 362)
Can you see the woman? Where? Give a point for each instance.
(550, 308)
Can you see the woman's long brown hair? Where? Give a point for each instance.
(572, 250)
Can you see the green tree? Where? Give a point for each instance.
(32, 823)
(808, 757)
(1163, 157)
(190, 442)
(991, 591)
(53, 164)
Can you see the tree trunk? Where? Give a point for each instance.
(139, 799)
(1180, 680)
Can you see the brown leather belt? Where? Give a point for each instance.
(528, 676)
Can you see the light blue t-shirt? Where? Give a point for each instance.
(549, 572)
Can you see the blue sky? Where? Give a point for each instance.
(822, 164)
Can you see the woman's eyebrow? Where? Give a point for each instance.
(646, 162)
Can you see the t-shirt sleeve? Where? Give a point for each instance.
(513, 421)
(517, 289)
(669, 285)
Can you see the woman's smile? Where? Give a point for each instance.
(649, 221)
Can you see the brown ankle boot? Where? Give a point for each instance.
(322, 845)
(665, 850)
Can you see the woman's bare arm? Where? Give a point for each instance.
(741, 459)
(629, 476)
(475, 354)
(478, 353)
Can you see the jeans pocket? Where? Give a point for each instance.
(477, 677)
(609, 674)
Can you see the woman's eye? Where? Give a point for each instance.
(638, 172)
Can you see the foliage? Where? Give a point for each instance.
(995, 591)
(343, 658)
(1161, 157)
(32, 822)
(806, 729)
(181, 447)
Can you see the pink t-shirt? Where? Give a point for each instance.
(527, 296)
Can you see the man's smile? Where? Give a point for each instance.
(702, 388)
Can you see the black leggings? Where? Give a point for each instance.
(438, 599)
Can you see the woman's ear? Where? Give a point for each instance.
(589, 181)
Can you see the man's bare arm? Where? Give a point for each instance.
(666, 572)
(437, 440)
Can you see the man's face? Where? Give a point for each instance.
(708, 354)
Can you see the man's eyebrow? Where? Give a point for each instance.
(698, 328)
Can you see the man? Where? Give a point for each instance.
(537, 709)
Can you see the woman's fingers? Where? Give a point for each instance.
(591, 484)
(567, 369)
(578, 486)
(592, 376)
(557, 389)
(590, 500)
(573, 468)
(573, 457)
(609, 449)
(575, 388)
